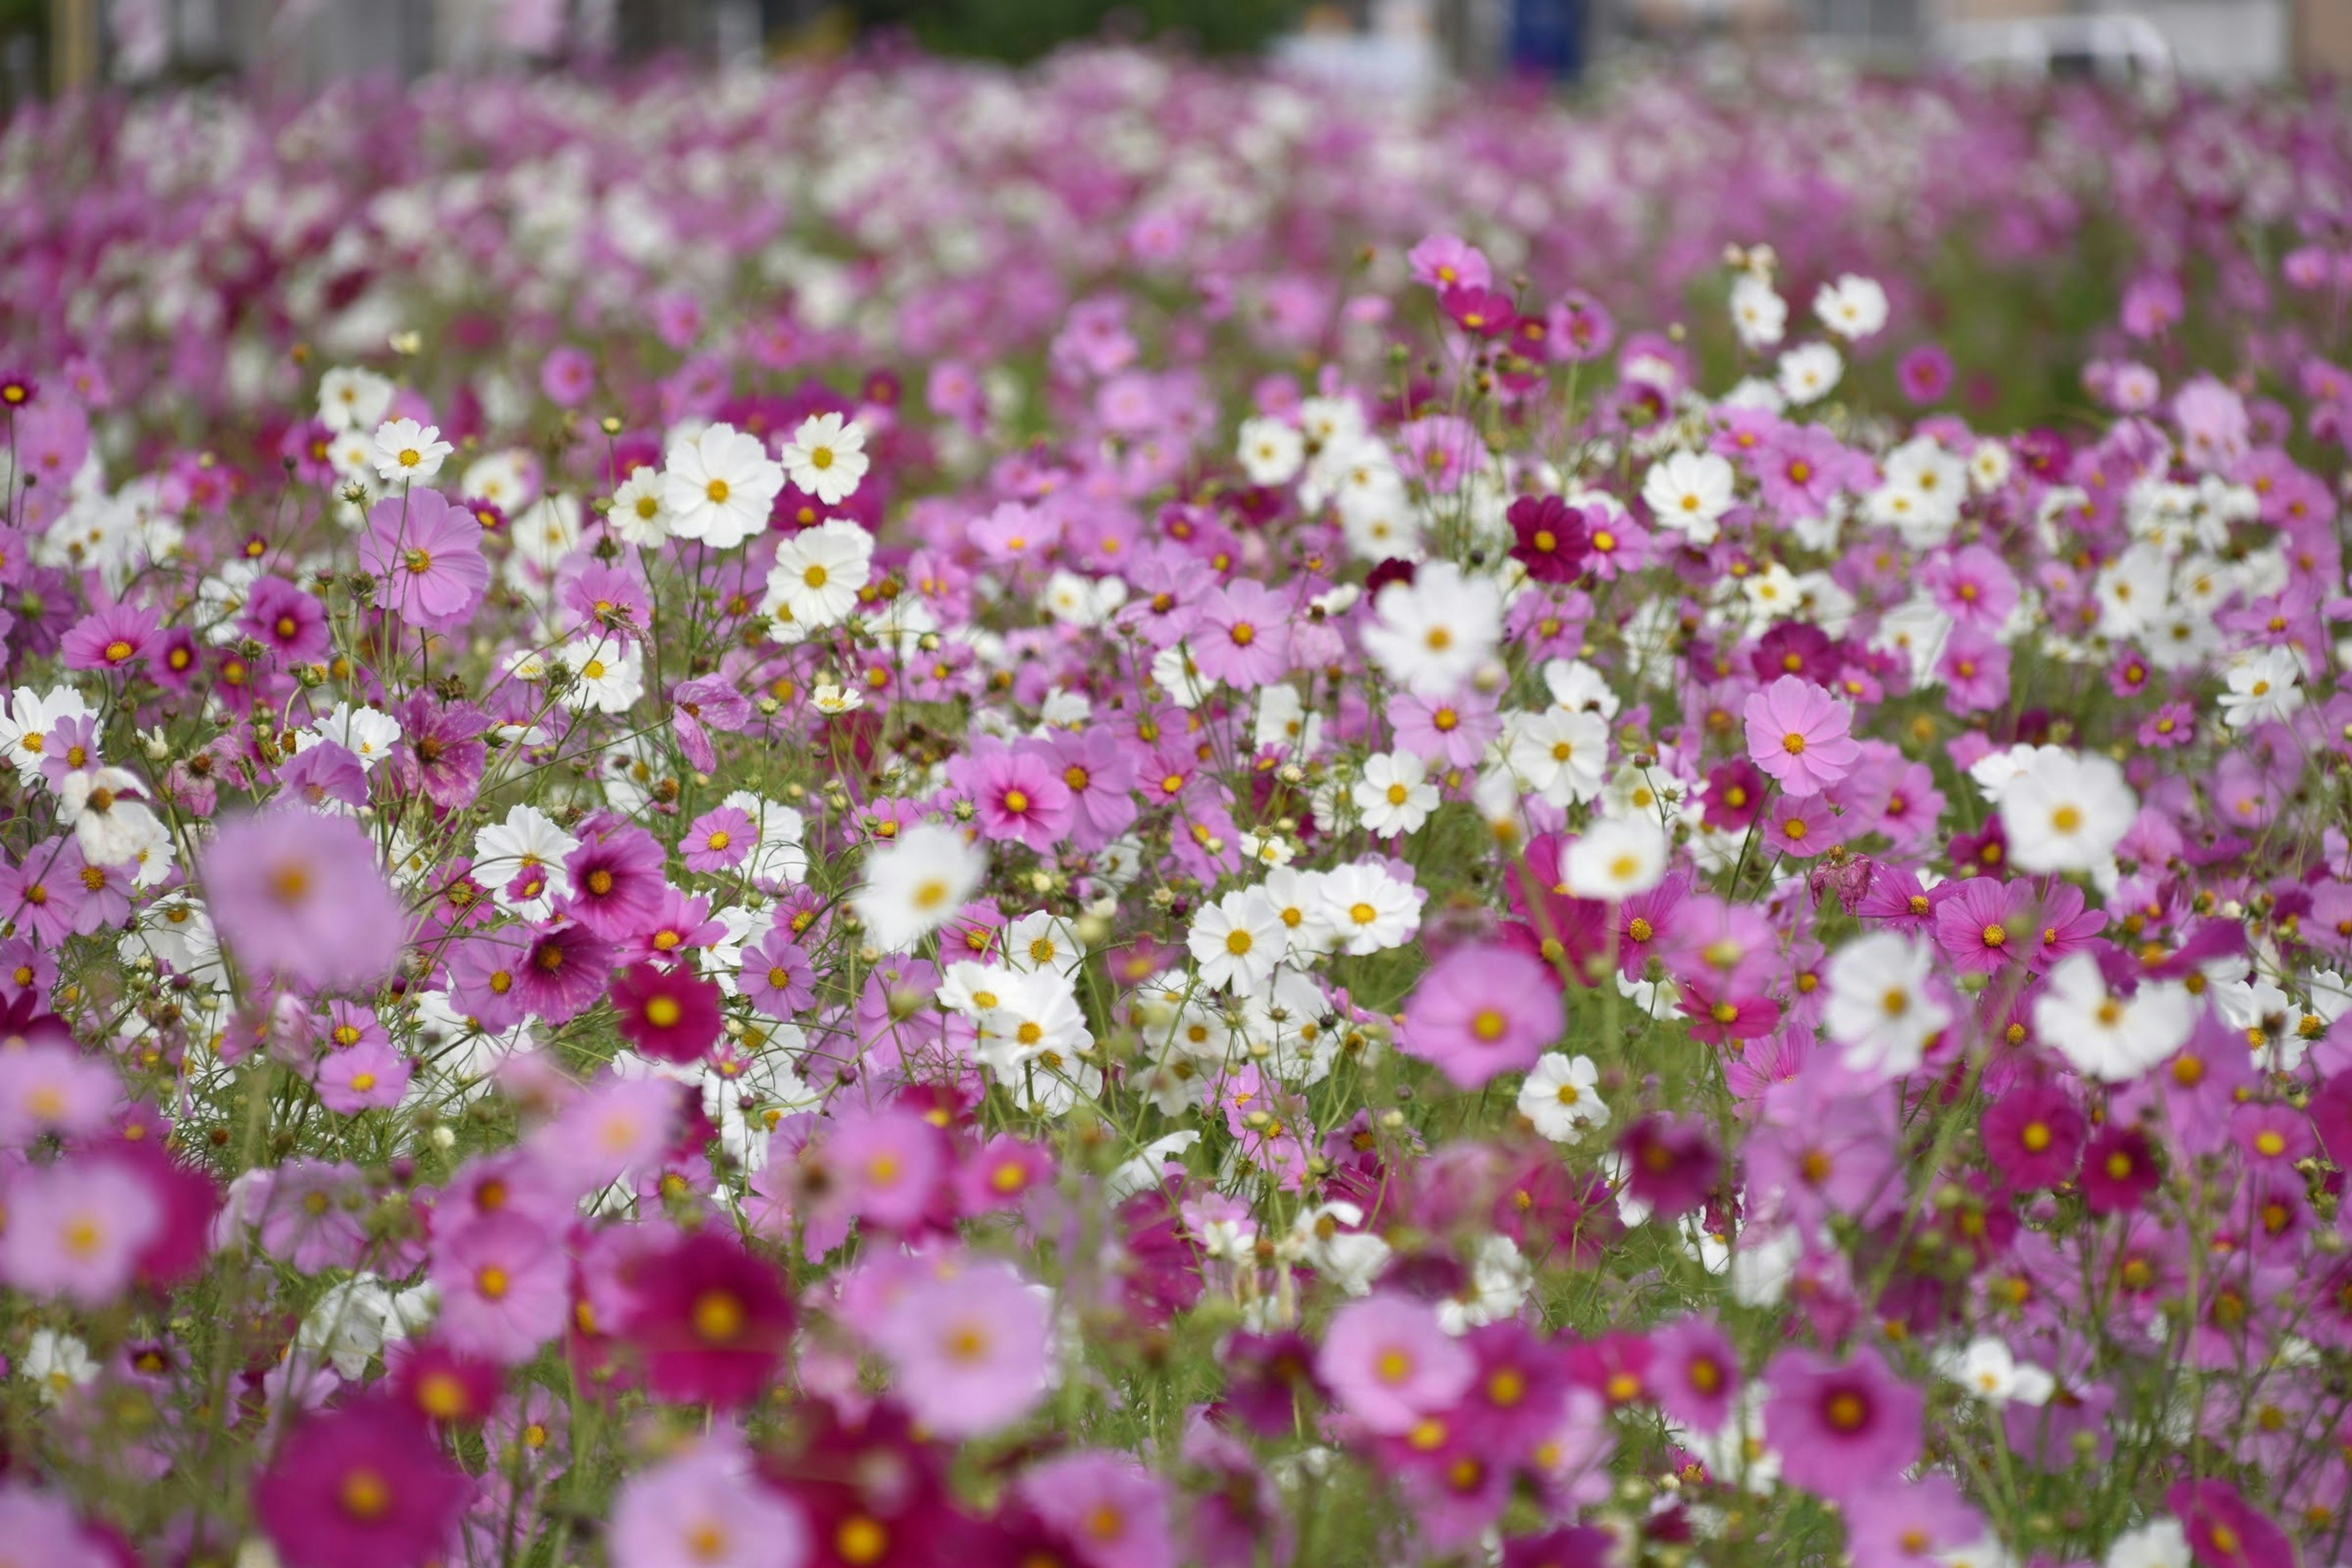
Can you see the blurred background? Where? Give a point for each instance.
(1408, 47)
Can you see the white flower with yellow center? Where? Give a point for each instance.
(826, 457)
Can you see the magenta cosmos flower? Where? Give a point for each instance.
(427, 557)
(364, 1485)
(711, 1320)
(1481, 1010)
(971, 1348)
(298, 896)
(1800, 735)
(1020, 796)
(2225, 1530)
(1841, 1428)
(1388, 1363)
(672, 1013)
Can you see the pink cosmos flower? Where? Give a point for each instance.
(969, 1347)
(2224, 1530)
(78, 1229)
(1984, 924)
(112, 638)
(2033, 1135)
(777, 976)
(1388, 1363)
(426, 557)
(1444, 261)
(1111, 1504)
(701, 706)
(505, 1287)
(883, 1165)
(1799, 735)
(1481, 1010)
(371, 1075)
(1695, 1372)
(286, 621)
(1242, 636)
(1843, 1430)
(298, 895)
(1453, 731)
(616, 881)
(41, 897)
(705, 1508)
(719, 839)
(1099, 769)
(48, 1086)
(43, 1528)
(563, 972)
(1019, 794)
(1912, 1522)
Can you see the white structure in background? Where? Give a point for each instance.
(2225, 43)
(306, 43)
(1398, 53)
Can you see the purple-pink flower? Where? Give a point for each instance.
(1799, 735)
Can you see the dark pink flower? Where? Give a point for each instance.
(1843, 1428)
(363, 1486)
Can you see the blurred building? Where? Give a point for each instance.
(2237, 41)
(1404, 45)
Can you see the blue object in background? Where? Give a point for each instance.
(1547, 38)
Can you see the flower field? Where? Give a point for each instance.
(1137, 817)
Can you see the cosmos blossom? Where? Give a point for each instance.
(1129, 815)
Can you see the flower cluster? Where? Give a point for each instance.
(890, 815)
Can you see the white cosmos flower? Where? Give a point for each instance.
(608, 674)
(1043, 940)
(2066, 812)
(354, 399)
(31, 716)
(1690, 492)
(2161, 1542)
(1270, 451)
(1036, 1014)
(718, 487)
(2264, 688)
(1562, 754)
(1987, 1370)
(1809, 371)
(780, 860)
(520, 860)
(829, 698)
(1430, 635)
(368, 733)
(818, 572)
(915, 885)
(826, 456)
(1880, 1008)
(407, 450)
(57, 1364)
(2112, 1039)
(110, 821)
(637, 516)
(1237, 941)
(1367, 910)
(1615, 858)
(1300, 903)
(1394, 796)
(1560, 1098)
(1854, 308)
(1757, 315)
